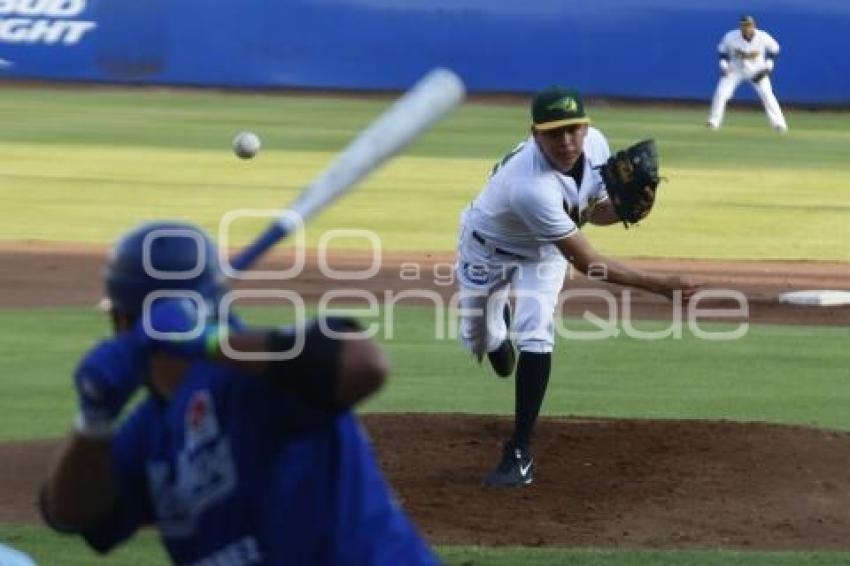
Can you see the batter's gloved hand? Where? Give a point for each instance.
(631, 178)
(106, 378)
(760, 75)
(177, 325)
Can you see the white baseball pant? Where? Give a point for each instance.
(726, 88)
(486, 278)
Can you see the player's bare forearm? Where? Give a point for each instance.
(360, 369)
(363, 370)
(603, 214)
(578, 250)
(80, 490)
(615, 272)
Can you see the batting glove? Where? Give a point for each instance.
(105, 380)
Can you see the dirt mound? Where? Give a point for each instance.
(624, 483)
(600, 483)
(22, 469)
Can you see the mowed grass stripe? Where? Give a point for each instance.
(95, 201)
(414, 203)
(782, 374)
(145, 550)
(83, 165)
(197, 120)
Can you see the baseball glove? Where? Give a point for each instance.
(631, 177)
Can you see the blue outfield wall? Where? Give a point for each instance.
(631, 48)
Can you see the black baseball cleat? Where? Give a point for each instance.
(503, 358)
(515, 470)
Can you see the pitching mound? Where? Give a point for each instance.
(600, 483)
(623, 483)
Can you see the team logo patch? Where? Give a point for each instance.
(567, 104)
(201, 422)
(476, 273)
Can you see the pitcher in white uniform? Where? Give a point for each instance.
(747, 54)
(517, 237)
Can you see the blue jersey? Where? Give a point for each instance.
(235, 472)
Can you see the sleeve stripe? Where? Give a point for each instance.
(560, 236)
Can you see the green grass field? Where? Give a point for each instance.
(791, 374)
(146, 551)
(101, 160)
(81, 166)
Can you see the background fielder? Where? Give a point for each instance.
(517, 235)
(747, 54)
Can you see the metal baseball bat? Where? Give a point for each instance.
(428, 101)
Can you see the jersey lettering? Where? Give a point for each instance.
(198, 480)
(203, 474)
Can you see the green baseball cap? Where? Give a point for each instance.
(557, 107)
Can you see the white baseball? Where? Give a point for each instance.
(246, 145)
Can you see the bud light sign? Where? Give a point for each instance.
(46, 22)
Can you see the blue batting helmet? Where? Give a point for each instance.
(161, 256)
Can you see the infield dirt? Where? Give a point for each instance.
(40, 274)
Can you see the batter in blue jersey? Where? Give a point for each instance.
(238, 459)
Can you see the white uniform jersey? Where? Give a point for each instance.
(527, 204)
(747, 57)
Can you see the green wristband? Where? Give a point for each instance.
(211, 341)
